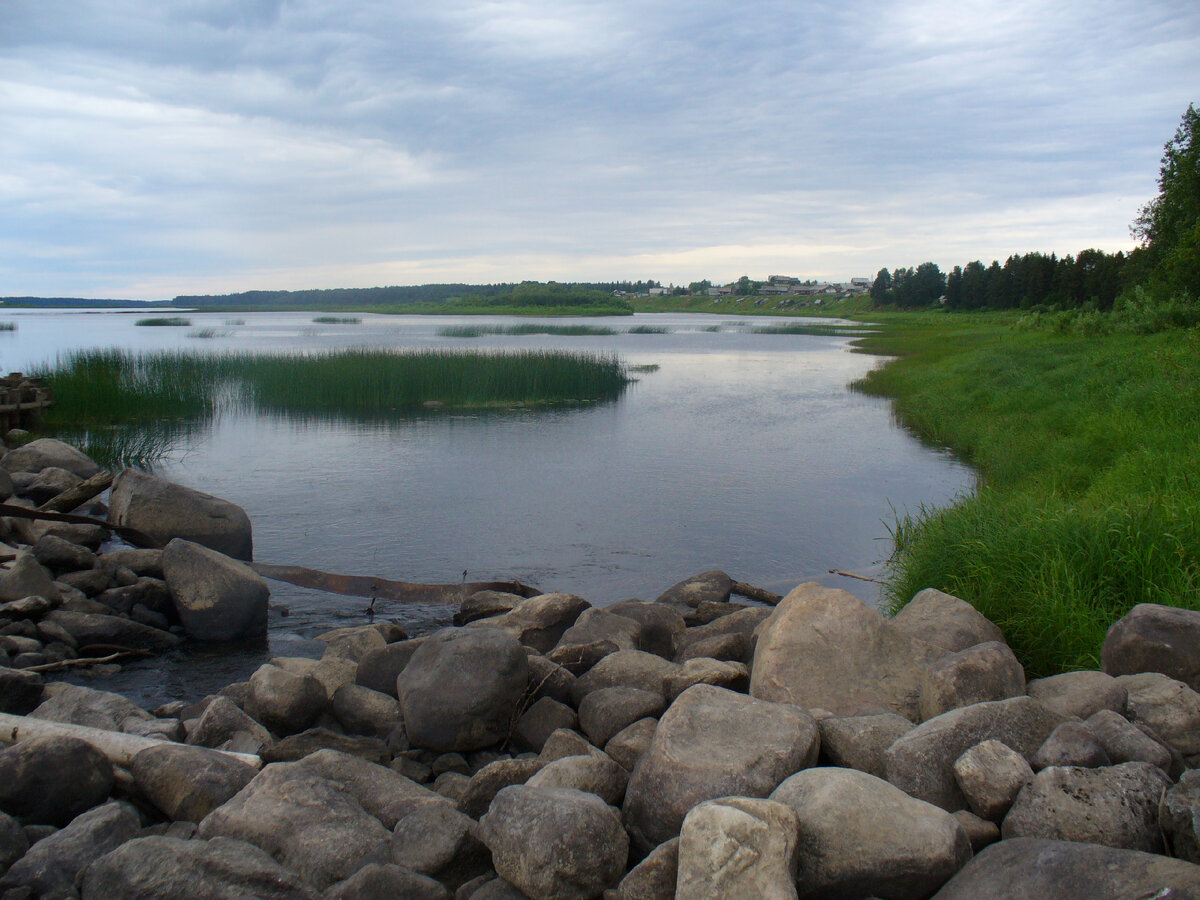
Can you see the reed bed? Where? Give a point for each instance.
(647, 329)
(8, 326)
(165, 321)
(814, 328)
(206, 333)
(100, 392)
(338, 320)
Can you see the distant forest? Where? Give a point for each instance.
(527, 293)
(1034, 280)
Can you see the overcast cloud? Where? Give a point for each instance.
(149, 149)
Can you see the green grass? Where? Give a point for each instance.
(338, 320)
(102, 398)
(207, 333)
(1087, 448)
(8, 326)
(165, 321)
(647, 329)
(474, 331)
(813, 328)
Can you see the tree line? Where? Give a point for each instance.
(1163, 269)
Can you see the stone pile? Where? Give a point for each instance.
(688, 747)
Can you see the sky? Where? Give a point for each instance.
(150, 148)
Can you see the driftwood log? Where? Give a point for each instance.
(73, 498)
(383, 589)
(120, 748)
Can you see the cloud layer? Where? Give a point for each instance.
(151, 149)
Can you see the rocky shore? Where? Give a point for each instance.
(687, 747)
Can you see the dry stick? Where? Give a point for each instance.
(73, 498)
(85, 661)
(755, 593)
(135, 537)
(120, 748)
(852, 575)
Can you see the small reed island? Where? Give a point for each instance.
(688, 747)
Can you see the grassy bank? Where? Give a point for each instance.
(125, 407)
(1088, 449)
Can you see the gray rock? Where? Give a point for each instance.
(549, 679)
(743, 622)
(604, 712)
(990, 775)
(708, 587)
(461, 690)
(823, 647)
(628, 744)
(306, 823)
(713, 743)
(361, 710)
(946, 621)
(144, 562)
(13, 842)
(1125, 742)
(539, 622)
(382, 792)
(579, 658)
(626, 668)
(48, 452)
(438, 841)
(859, 837)
(654, 877)
(52, 865)
(594, 625)
(167, 868)
(90, 581)
(25, 578)
(20, 692)
(376, 881)
(1167, 707)
(96, 628)
(659, 626)
(563, 743)
(921, 763)
(733, 646)
(541, 720)
(1078, 694)
(982, 672)
(217, 598)
(1071, 744)
(722, 673)
(283, 701)
(58, 555)
(1116, 806)
(220, 723)
(555, 843)
(861, 742)
(1179, 814)
(313, 740)
(485, 605)
(352, 643)
(163, 511)
(1154, 638)
(378, 669)
(332, 672)
(188, 782)
(49, 483)
(493, 778)
(32, 786)
(32, 607)
(1024, 868)
(600, 776)
(980, 832)
(738, 848)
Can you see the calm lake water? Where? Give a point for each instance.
(744, 452)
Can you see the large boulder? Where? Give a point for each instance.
(461, 689)
(100, 628)
(1154, 638)
(939, 618)
(187, 782)
(1116, 806)
(53, 863)
(861, 742)
(714, 743)
(861, 837)
(163, 868)
(164, 510)
(1024, 868)
(921, 763)
(32, 783)
(284, 701)
(1179, 814)
(307, 823)
(738, 848)
(46, 453)
(1080, 694)
(597, 775)
(217, 598)
(824, 648)
(539, 622)
(555, 843)
(75, 704)
(26, 578)
(437, 840)
(385, 794)
(713, 586)
(1167, 707)
(991, 776)
(982, 672)
(626, 668)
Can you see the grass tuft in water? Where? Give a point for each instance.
(648, 329)
(338, 320)
(474, 331)
(165, 321)
(8, 326)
